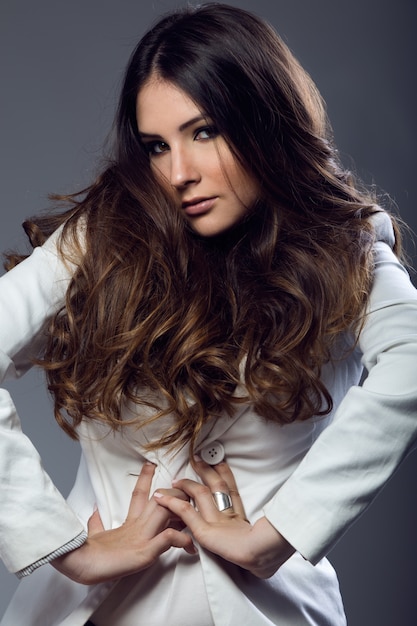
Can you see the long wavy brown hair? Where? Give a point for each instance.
(153, 306)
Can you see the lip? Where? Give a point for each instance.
(198, 206)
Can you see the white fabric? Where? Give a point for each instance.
(311, 501)
(374, 428)
(172, 593)
(28, 296)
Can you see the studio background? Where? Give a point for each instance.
(61, 64)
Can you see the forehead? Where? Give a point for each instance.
(159, 102)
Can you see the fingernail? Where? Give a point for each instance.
(197, 458)
(158, 495)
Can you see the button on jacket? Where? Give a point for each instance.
(310, 479)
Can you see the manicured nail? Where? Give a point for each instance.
(197, 458)
(158, 495)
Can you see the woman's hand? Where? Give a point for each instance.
(149, 530)
(260, 548)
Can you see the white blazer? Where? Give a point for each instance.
(311, 479)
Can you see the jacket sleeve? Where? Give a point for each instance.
(374, 427)
(35, 520)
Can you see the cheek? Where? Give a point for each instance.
(160, 174)
(251, 191)
(236, 176)
(246, 188)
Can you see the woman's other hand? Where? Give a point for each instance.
(259, 548)
(148, 531)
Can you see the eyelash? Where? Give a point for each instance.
(210, 130)
(151, 146)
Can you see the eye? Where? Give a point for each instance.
(208, 132)
(154, 148)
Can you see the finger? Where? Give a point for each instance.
(210, 476)
(155, 518)
(226, 473)
(172, 538)
(182, 509)
(224, 536)
(203, 499)
(94, 524)
(141, 492)
(220, 478)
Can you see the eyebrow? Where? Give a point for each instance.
(181, 128)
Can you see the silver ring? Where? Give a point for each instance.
(223, 500)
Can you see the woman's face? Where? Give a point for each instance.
(189, 157)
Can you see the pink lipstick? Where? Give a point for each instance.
(198, 206)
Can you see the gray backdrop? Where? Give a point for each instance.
(61, 65)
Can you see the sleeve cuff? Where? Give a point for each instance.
(68, 547)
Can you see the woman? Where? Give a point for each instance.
(212, 296)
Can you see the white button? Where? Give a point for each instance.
(213, 453)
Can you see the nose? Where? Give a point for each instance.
(184, 169)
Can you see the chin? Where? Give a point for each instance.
(222, 238)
